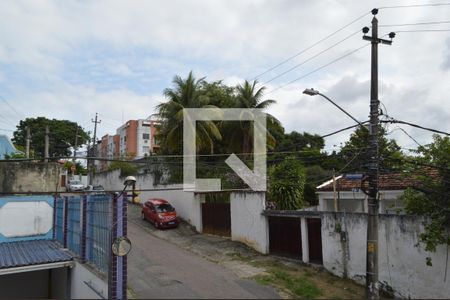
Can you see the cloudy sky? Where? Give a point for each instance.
(70, 59)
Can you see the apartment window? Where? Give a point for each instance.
(146, 136)
(146, 149)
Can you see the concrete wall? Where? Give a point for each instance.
(188, 206)
(401, 262)
(29, 177)
(357, 201)
(87, 284)
(247, 224)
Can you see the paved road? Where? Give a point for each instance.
(159, 269)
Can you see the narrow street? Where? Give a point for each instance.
(160, 269)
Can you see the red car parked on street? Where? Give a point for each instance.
(160, 213)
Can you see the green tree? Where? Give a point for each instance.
(186, 93)
(356, 151)
(239, 134)
(61, 137)
(431, 198)
(79, 169)
(126, 168)
(287, 184)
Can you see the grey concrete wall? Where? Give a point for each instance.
(247, 224)
(402, 264)
(87, 284)
(29, 177)
(188, 206)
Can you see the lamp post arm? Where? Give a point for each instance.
(340, 108)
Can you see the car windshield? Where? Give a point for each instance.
(162, 208)
(74, 182)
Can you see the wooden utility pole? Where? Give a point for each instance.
(28, 138)
(335, 201)
(372, 289)
(46, 155)
(94, 147)
(75, 146)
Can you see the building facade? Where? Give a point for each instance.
(135, 139)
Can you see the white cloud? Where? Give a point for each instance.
(228, 40)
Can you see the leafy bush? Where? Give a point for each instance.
(287, 184)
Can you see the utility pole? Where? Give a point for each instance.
(75, 146)
(94, 146)
(28, 138)
(372, 290)
(46, 144)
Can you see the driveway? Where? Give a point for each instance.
(161, 269)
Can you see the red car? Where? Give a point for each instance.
(160, 213)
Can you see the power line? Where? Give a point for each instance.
(415, 5)
(404, 131)
(424, 30)
(319, 68)
(343, 129)
(2, 129)
(392, 120)
(311, 46)
(415, 24)
(311, 58)
(11, 107)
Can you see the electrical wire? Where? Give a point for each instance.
(392, 120)
(319, 68)
(311, 46)
(11, 107)
(414, 5)
(423, 30)
(415, 24)
(404, 131)
(311, 58)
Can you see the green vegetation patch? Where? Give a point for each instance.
(298, 285)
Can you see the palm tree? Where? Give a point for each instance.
(240, 134)
(186, 93)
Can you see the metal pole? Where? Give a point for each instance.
(332, 102)
(28, 138)
(94, 148)
(75, 147)
(372, 221)
(372, 288)
(46, 144)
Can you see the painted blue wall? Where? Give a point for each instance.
(7, 199)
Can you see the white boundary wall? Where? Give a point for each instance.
(86, 284)
(187, 205)
(402, 264)
(247, 224)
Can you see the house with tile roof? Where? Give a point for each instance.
(347, 192)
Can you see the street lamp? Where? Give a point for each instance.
(313, 92)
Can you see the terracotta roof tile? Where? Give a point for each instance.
(391, 181)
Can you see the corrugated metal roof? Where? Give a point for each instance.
(26, 253)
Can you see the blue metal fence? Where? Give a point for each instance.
(98, 235)
(98, 219)
(73, 224)
(59, 220)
